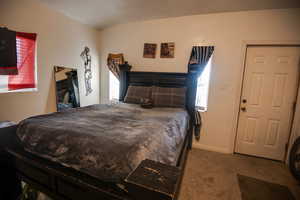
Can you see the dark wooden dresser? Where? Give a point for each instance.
(10, 186)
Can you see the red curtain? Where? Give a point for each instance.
(26, 44)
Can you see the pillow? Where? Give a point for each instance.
(136, 93)
(168, 97)
(146, 103)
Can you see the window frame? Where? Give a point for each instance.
(110, 74)
(25, 90)
(201, 108)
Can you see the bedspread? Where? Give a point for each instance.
(106, 141)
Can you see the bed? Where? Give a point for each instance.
(101, 154)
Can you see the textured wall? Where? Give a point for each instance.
(227, 32)
(60, 42)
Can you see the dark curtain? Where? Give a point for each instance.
(8, 52)
(113, 62)
(199, 58)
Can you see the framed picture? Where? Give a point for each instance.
(149, 50)
(167, 50)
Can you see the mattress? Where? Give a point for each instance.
(106, 141)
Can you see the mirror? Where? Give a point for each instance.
(67, 90)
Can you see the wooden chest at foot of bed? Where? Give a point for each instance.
(154, 180)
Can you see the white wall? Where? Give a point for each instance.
(60, 42)
(227, 32)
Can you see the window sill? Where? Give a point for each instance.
(19, 91)
(114, 101)
(201, 109)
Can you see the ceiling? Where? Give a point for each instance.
(103, 13)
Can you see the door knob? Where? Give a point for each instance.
(243, 109)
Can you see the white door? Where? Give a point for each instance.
(268, 98)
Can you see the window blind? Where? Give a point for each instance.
(26, 45)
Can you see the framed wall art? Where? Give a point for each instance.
(149, 50)
(167, 50)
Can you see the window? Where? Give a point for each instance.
(114, 86)
(202, 88)
(25, 80)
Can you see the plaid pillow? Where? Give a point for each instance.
(136, 93)
(168, 97)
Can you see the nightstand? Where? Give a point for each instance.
(153, 180)
(10, 185)
(4, 126)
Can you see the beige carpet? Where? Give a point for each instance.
(213, 176)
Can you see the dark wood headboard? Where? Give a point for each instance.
(162, 79)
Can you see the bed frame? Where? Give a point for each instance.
(64, 183)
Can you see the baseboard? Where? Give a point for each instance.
(211, 148)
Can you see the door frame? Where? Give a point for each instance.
(245, 45)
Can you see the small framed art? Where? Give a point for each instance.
(149, 50)
(167, 50)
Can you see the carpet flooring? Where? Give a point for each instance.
(213, 176)
(253, 189)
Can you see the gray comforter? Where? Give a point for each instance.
(106, 141)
